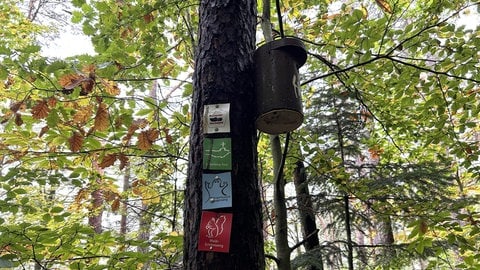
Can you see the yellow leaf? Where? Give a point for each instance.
(83, 114)
(76, 142)
(40, 110)
(101, 118)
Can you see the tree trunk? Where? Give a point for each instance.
(144, 228)
(126, 187)
(96, 214)
(305, 209)
(280, 206)
(223, 74)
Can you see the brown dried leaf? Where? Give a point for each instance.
(76, 142)
(90, 70)
(168, 137)
(87, 86)
(70, 81)
(115, 205)
(139, 123)
(108, 161)
(40, 110)
(143, 142)
(16, 106)
(111, 87)
(110, 195)
(123, 161)
(101, 118)
(83, 114)
(152, 134)
(18, 119)
(51, 102)
(43, 131)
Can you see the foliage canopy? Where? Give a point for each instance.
(390, 91)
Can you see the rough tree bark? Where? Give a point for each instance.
(223, 74)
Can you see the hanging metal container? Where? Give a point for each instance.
(277, 85)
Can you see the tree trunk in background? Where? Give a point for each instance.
(280, 207)
(144, 229)
(95, 217)
(384, 236)
(223, 74)
(126, 187)
(305, 209)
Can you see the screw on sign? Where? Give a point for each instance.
(217, 118)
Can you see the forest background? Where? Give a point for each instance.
(93, 147)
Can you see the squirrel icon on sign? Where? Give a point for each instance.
(215, 226)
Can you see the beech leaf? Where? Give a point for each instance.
(115, 205)
(111, 87)
(123, 161)
(76, 142)
(43, 131)
(40, 110)
(18, 119)
(83, 114)
(101, 118)
(108, 161)
(70, 81)
(143, 142)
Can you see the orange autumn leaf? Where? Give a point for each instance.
(108, 161)
(375, 153)
(40, 110)
(76, 142)
(101, 118)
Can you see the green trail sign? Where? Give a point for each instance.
(217, 154)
